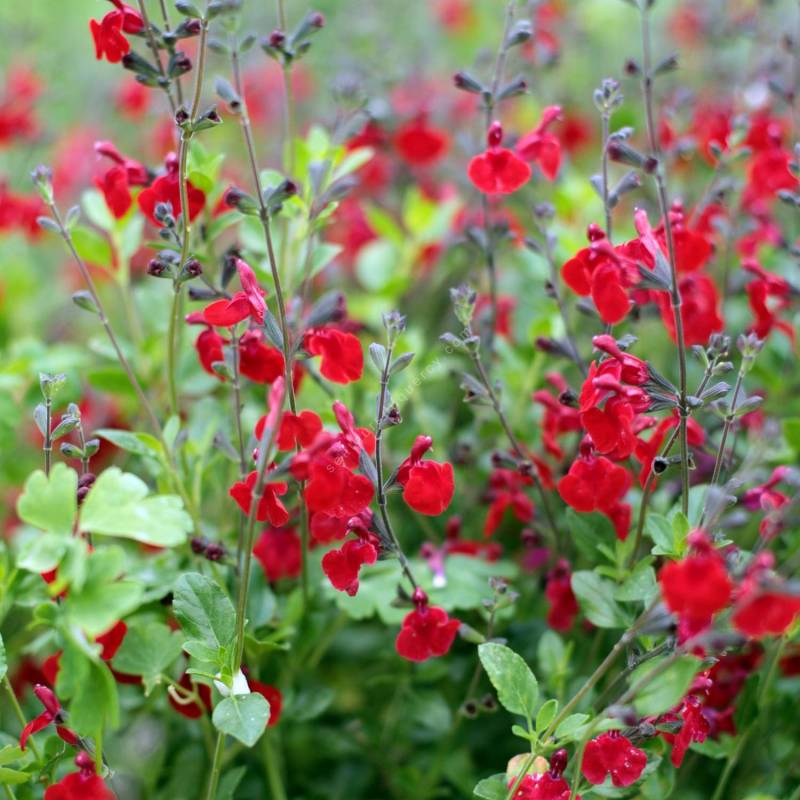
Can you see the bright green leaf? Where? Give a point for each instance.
(517, 688)
(596, 597)
(50, 503)
(244, 717)
(664, 691)
(204, 610)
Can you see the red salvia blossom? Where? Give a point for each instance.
(613, 754)
(166, 189)
(594, 483)
(342, 566)
(543, 147)
(17, 115)
(427, 485)
(766, 497)
(342, 357)
(273, 696)
(767, 174)
(296, 430)
(20, 212)
(605, 273)
(107, 34)
(646, 451)
(697, 587)
(694, 728)
(249, 302)
(115, 189)
(52, 714)
(700, 309)
(269, 507)
(544, 786)
(498, 170)
(258, 361)
(558, 591)
(763, 605)
(769, 294)
(85, 784)
(426, 632)
(280, 553)
(506, 491)
(559, 418)
(419, 143)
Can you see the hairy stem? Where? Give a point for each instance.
(151, 41)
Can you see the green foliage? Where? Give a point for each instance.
(517, 688)
(244, 717)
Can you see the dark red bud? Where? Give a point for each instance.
(495, 135)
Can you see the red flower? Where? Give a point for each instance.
(498, 170)
(605, 273)
(596, 484)
(166, 189)
(269, 507)
(191, 709)
(426, 632)
(563, 605)
(419, 143)
(612, 753)
(343, 565)
(700, 309)
(136, 172)
(17, 106)
(108, 38)
(85, 784)
(544, 786)
(247, 303)
(111, 640)
(762, 613)
(768, 173)
(258, 361)
(541, 146)
(53, 713)
(342, 358)
(280, 553)
(133, 99)
(695, 728)
(273, 696)
(506, 491)
(297, 430)
(114, 186)
(335, 490)
(698, 586)
(427, 485)
(558, 417)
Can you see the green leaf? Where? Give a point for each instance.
(547, 713)
(142, 444)
(589, 531)
(92, 247)
(516, 685)
(680, 531)
(50, 503)
(42, 553)
(791, 432)
(569, 726)
(596, 597)
(118, 505)
(94, 205)
(659, 529)
(244, 717)
(148, 650)
(640, 585)
(665, 690)
(551, 653)
(493, 788)
(204, 610)
(376, 264)
(12, 777)
(97, 606)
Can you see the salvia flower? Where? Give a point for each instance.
(764, 605)
(342, 358)
(542, 786)
(166, 189)
(427, 485)
(613, 754)
(419, 143)
(563, 606)
(270, 508)
(694, 728)
(541, 146)
(85, 784)
(426, 632)
(498, 170)
(342, 566)
(52, 714)
(280, 553)
(107, 34)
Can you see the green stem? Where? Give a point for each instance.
(151, 41)
(272, 767)
(48, 438)
(216, 767)
(20, 715)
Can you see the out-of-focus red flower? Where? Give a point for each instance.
(114, 186)
(613, 754)
(342, 357)
(133, 99)
(763, 605)
(20, 212)
(767, 174)
(85, 784)
(711, 126)
(694, 728)
(17, 117)
(698, 586)
(541, 146)
(280, 553)
(498, 170)
(558, 591)
(426, 632)
(506, 490)
(419, 143)
(52, 714)
(269, 507)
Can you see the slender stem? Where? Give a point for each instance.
(517, 447)
(216, 767)
(151, 41)
(20, 715)
(606, 203)
(183, 184)
(726, 428)
(272, 767)
(48, 435)
(381, 494)
(675, 294)
(237, 416)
